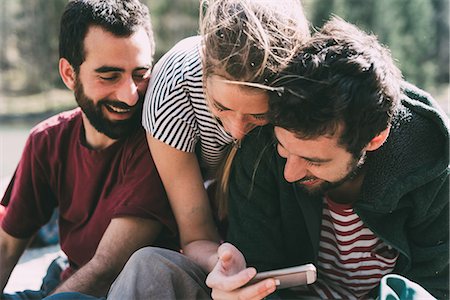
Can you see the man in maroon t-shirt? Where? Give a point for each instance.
(93, 162)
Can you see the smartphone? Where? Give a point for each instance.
(289, 277)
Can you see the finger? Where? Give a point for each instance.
(231, 258)
(226, 259)
(253, 292)
(225, 252)
(221, 281)
(258, 290)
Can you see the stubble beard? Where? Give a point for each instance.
(354, 166)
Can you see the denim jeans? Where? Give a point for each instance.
(72, 296)
(49, 283)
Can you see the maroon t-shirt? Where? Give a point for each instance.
(90, 187)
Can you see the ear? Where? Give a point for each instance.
(378, 140)
(67, 73)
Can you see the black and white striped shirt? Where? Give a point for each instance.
(175, 108)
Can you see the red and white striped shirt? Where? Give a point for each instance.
(352, 259)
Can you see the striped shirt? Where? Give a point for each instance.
(175, 108)
(352, 259)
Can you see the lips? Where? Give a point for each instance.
(117, 113)
(309, 181)
(116, 109)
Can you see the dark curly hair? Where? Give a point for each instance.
(342, 79)
(119, 17)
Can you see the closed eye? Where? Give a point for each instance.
(141, 75)
(260, 117)
(313, 163)
(109, 77)
(218, 107)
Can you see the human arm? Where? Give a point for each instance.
(183, 182)
(28, 206)
(253, 224)
(11, 249)
(122, 238)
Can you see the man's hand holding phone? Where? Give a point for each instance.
(230, 275)
(231, 279)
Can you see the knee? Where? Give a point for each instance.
(151, 257)
(149, 253)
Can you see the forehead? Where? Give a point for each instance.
(104, 48)
(322, 146)
(243, 99)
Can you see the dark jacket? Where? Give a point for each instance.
(404, 198)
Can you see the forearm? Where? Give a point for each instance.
(203, 252)
(113, 251)
(6, 268)
(92, 279)
(10, 251)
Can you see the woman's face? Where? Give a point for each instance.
(239, 108)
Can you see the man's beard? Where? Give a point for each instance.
(354, 167)
(112, 129)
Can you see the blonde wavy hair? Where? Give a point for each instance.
(248, 41)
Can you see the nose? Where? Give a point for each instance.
(128, 92)
(294, 169)
(239, 126)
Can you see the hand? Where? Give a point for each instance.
(230, 274)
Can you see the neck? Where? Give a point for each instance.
(349, 191)
(94, 139)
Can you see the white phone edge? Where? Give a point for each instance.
(308, 269)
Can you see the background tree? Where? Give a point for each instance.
(416, 31)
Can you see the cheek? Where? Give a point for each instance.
(329, 173)
(97, 90)
(142, 87)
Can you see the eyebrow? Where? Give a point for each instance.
(311, 159)
(106, 69)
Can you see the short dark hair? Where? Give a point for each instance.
(119, 17)
(342, 78)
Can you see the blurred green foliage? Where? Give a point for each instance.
(416, 31)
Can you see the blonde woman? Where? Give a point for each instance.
(206, 94)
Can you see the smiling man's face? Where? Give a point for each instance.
(318, 164)
(111, 82)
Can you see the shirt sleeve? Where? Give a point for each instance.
(168, 111)
(140, 192)
(28, 199)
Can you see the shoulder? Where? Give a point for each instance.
(415, 153)
(422, 121)
(57, 126)
(177, 77)
(188, 48)
(183, 58)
